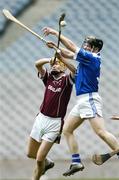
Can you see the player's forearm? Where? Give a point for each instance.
(66, 53)
(67, 62)
(64, 40)
(68, 43)
(39, 63)
(69, 65)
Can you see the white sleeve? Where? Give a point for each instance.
(77, 50)
(71, 79)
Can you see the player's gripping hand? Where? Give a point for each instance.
(50, 44)
(48, 30)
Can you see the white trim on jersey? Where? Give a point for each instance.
(77, 50)
(71, 79)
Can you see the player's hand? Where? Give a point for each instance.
(50, 44)
(48, 30)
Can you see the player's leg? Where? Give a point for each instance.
(32, 150)
(70, 125)
(33, 147)
(98, 126)
(36, 139)
(99, 159)
(48, 165)
(40, 159)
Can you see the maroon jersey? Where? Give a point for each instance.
(57, 95)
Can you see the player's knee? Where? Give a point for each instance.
(66, 132)
(30, 155)
(39, 162)
(40, 157)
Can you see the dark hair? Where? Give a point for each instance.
(93, 41)
(98, 43)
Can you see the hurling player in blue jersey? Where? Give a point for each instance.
(89, 104)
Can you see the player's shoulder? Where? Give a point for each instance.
(70, 79)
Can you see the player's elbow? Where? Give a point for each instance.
(37, 64)
(66, 132)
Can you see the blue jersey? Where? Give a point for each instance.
(88, 72)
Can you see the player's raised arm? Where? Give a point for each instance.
(39, 65)
(64, 52)
(64, 40)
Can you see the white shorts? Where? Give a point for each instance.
(88, 106)
(46, 128)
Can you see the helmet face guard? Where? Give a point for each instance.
(59, 62)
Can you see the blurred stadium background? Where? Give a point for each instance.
(21, 91)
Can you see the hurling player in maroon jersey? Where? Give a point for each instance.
(48, 123)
